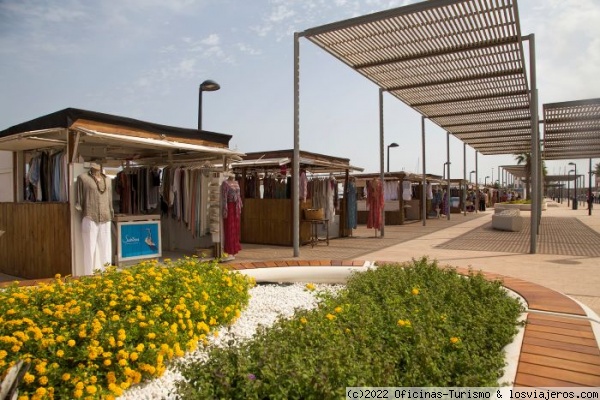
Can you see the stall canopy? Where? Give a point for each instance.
(112, 138)
(459, 63)
(315, 163)
(572, 130)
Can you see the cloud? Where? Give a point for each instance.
(567, 34)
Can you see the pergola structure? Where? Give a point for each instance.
(459, 63)
(572, 131)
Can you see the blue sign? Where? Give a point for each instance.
(139, 240)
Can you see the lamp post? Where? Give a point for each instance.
(206, 86)
(471, 176)
(575, 201)
(388, 154)
(569, 187)
(485, 181)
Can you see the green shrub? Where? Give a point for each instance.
(95, 336)
(398, 325)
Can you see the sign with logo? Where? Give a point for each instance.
(140, 239)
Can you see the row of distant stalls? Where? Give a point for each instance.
(166, 182)
(328, 183)
(404, 191)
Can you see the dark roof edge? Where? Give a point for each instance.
(65, 118)
(572, 103)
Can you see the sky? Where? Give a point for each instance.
(145, 59)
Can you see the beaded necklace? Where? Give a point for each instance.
(98, 182)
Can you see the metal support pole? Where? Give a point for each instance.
(448, 175)
(476, 184)
(590, 190)
(535, 146)
(424, 190)
(464, 186)
(381, 150)
(296, 161)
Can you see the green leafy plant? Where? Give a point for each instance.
(413, 324)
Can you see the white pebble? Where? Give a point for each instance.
(267, 302)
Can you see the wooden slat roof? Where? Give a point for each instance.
(572, 130)
(457, 62)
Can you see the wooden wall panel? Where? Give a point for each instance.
(37, 242)
(269, 221)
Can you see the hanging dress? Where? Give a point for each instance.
(352, 210)
(375, 204)
(232, 211)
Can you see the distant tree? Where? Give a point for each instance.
(525, 159)
(597, 171)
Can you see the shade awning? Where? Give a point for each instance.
(457, 62)
(572, 130)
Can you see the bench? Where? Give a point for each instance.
(507, 220)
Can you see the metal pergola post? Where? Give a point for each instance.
(448, 175)
(464, 186)
(381, 161)
(424, 189)
(535, 147)
(296, 161)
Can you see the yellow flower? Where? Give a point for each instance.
(71, 343)
(310, 287)
(28, 378)
(66, 376)
(140, 347)
(43, 380)
(133, 356)
(303, 320)
(60, 353)
(91, 389)
(41, 391)
(338, 309)
(454, 340)
(404, 323)
(415, 291)
(77, 393)
(330, 317)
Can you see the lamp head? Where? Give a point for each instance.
(393, 145)
(209, 86)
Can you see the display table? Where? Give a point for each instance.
(314, 231)
(138, 237)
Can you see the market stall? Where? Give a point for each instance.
(402, 191)
(160, 175)
(265, 181)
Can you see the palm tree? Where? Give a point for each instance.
(525, 159)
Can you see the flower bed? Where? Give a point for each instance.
(96, 336)
(398, 325)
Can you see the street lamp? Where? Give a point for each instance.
(569, 187)
(485, 181)
(470, 176)
(206, 86)
(574, 187)
(388, 154)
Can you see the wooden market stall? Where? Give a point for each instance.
(402, 191)
(265, 182)
(42, 227)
